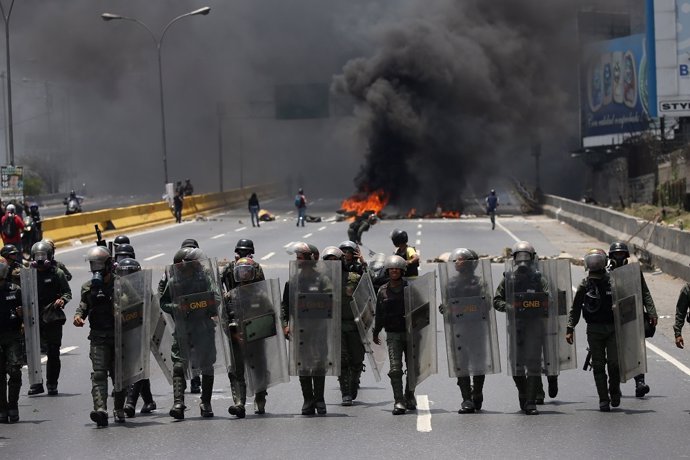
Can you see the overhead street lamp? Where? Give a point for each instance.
(159, 42)
(6, 13)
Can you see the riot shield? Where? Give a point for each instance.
(199, 319)
(626, 291)
(132, 311)
(531, 322)
(420, 321)
(255, 309)
(557, 272)
(469, 318)
(363, 306)
(32, 333)
(162, 327)
(315, 317)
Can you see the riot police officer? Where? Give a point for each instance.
(526, 353)
(243, 249)
(10, 346)
(14, 259)
(390, 315)
(121, 239)
(593, 299)
(97, 305)
(142, 387)
(618, 256)
(58, 264)
(351, 258)
(408, 253)
(351, 347)
(123, 251)
(53, 294)
(191, 279)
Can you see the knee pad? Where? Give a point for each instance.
(178, 370)
(99, 376)
(395, 374)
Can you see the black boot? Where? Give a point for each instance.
(260, 402)
(553, 385)
(149, 403)
(99, 414)
(477, 391)
(345, 381)
(467, 406)
(179, 384)
(319, 401)
(308, 406)
(641, 388)
(195, 385)
(206, 392)
(410, 400)
(13, 402)
(118, 406)
(53, 367)
(239, 396)
(36, 389)
(398, 395)
(131, 402)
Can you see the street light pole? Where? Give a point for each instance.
(159, 43)
(10, 130)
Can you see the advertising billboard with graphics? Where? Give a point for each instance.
(672, 40)
(615, 87)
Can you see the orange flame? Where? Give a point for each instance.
(374, 201)
(451, 214)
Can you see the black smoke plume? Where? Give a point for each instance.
(458, 92)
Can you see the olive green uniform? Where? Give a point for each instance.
(97, 305)
(351, 347)
(10, 352)
(682, 307)
(528, 386)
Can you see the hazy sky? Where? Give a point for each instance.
(477, 73)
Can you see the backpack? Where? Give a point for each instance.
(9, 227)
(299, 202)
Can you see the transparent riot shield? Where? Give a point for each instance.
(255, 309)
(200, 323)
(315, 317)
(531, 323)
(162, 327)
(363, 306)
(557, 272)
(132, 311)
(469, 318)
(420, 321)
(626, 290)
(32, 333)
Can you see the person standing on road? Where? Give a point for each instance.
(528, 282)
(11, 227)
(254, 207)
(491, 205)
(97, 304)
(53, 294)
(390, 315)
(618, 256)
(301, 205)
(682, 307)
(177, 207)
(10, 346)
(594, 301)
(408, 253)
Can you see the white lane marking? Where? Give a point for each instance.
(322, 228)
(62, 352)
(668, 358)
(511, 234)
(307, 235)
(418, 242)
(155, 256)
(289, 212)
(218, 236)
(423, 414)
(240, 229)
(419, 233)
(268, 256)
(419, 225)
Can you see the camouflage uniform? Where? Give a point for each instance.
(10, 352)
(351, 347)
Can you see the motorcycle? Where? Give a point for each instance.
(73, 205)
(31, 233)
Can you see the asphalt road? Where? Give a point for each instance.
(569, 426)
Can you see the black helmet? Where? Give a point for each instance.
(619, 247)
(121, 239)
(127, 266)
(123, 251)
(314, 250)
(181, 254)
(4, 268)
(245, 244)
(595, 260)
(399, 237)
(348, 246)
(9, 251)
(189, 243)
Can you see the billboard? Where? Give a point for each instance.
(12, 183)
(672, 42)
(616, 87)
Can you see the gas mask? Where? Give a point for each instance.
(618, 260)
